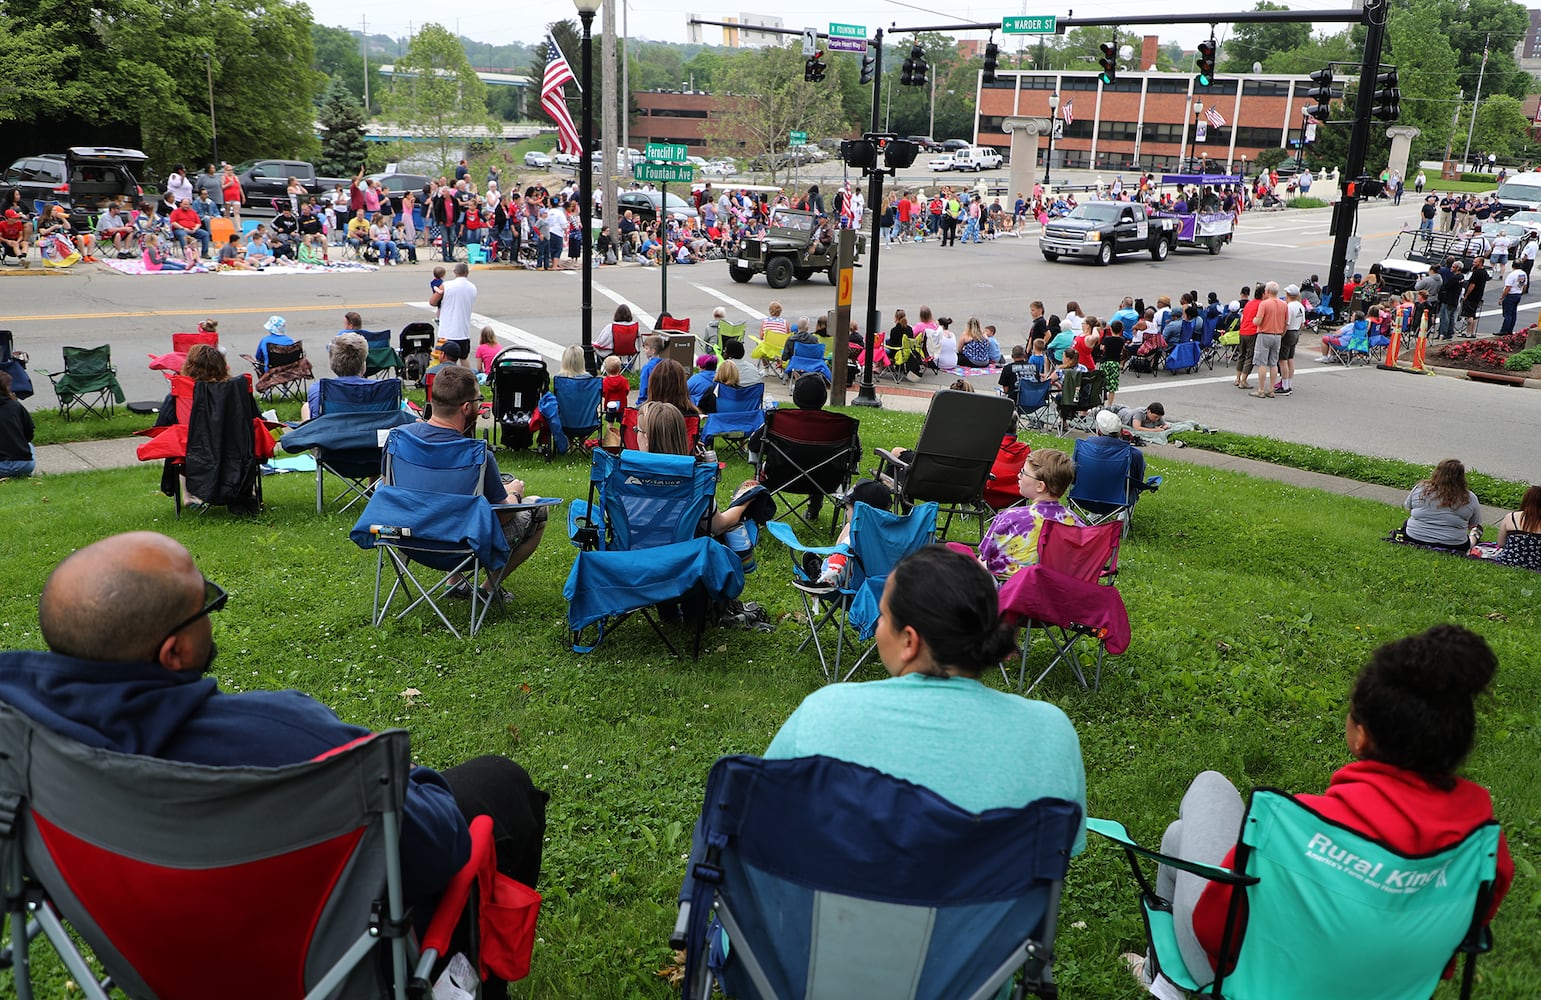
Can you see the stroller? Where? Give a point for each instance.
(416, 341)
(519, 378)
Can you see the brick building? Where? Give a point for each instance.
(676, 116)
(1146, 120)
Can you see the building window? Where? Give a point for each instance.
(1253, 136)
(1078, 83)
(1161, 132)
(1081, 128)
(1220, 87)
(1169, 87)
(1268, 88)
(1001, 83)
(1038, 83)
(1125, 85)
(1117, 131)
(992, 123)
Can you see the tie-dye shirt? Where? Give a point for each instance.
(1011, 541)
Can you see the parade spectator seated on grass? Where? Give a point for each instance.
(1411, 722)
(1109, 442)
(129, 625)
(348, 355)
(1443, 512)
(17, 456)
(940, 630)
(1011, 540)
(1519, 533)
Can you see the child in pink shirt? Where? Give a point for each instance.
(488, 350)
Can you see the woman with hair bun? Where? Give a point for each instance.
(1411, 722)
(932, 722)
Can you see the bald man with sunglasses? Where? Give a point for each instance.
(128, 623)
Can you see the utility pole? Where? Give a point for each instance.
(625, 80)
(1472, 125)
(364, 40)
(1375, 13)
(866, 393)
(607, 208)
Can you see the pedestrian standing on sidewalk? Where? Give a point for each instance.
(1515, 286)
(1292, 327)
(1471, 302)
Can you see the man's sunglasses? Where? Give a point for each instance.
(214, 598)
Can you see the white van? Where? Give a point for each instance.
(976, 158)
(1520, 192)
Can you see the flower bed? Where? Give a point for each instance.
(1485, 355)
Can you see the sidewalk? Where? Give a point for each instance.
(119, 453)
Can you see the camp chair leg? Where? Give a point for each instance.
(59, 937)
(19, 959)
(320, 480)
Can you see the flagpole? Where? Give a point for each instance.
(1472, 125)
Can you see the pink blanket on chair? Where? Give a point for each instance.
(1041, 594)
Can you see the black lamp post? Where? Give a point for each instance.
(1198, 111)
(586, 12)
(1048, 159)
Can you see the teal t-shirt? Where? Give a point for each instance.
(976, 747)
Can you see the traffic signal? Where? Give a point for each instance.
(992, 56)
(1206, 63)
(813, 69)
(1388, 97)
(859, 153)
(869, 65)
(913, 73)
(1322, 94)
(899, 153)
(1109, 62)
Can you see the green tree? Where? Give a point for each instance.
(773, 101)
(1313, 54)
(1254, 43)
(1502, 128)
(343, 149)
(1427, 72)
(339, 56)
(435, 94)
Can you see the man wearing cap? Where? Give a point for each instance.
(450, 352)
(1292, 327)
(129, 625)
(1109, 443)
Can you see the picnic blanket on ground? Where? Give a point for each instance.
(289, 267)
(1165, 437)
(967, 372)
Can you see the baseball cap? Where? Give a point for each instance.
(1292, 290)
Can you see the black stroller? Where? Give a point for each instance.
(416, 342)
(519, 378)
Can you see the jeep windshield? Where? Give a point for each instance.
(1098, 212)
(796, 223)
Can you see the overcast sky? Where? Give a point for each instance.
(664, 20)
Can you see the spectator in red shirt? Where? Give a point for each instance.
(1248, 337)
(1411, 723)
(186, 224)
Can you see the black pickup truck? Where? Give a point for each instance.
(264, 180)
(1105, 229)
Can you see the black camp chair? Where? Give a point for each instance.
(951, 462)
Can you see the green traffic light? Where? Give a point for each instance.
(1205, 80)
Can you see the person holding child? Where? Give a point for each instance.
(1011, 540)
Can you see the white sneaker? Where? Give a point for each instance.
(911, 377)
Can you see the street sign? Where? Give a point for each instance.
(1059, 129)
(810, 41)
(797, 139)
(664, 173)
(666, 152)
(1044, 24)
(847, 37)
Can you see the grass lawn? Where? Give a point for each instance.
(1253, 605)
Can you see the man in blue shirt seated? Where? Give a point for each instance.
(130, 636)
(457, 399)
(348, 355)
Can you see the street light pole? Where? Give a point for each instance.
(866, 392)
(1193, 145)
(208, 65)
(586, 12)
(1048, 160)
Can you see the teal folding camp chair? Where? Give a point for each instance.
(89, 382)
(1328, 912)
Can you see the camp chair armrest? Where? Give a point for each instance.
(783, 533)
(891, 458)
(1151, 485)
(1114, 831)
(452, 902)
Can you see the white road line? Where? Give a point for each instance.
(641, 315)
(1305, 367)
(731, 301)
(510, 333)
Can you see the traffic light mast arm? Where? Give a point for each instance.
(1347, 212)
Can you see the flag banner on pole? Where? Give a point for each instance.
(1215, 118)
(1199, 132)
(553, 99)
(1067, 113)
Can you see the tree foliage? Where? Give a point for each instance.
(339, 55)
(1502, 129)
(435, 94)
(343, 149)
(773, 101)
(1255, 43)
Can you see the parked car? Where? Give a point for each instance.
(561, 159)
(535, 158)
(720, 168)
(942, 163)
(264, 180)
(397, 185)
(699, 162)
(644, 205)
(82, 179)
(1530, 220)
(953, 145)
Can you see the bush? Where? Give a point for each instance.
(1521, 361)
(1480, 178)
(1305, 201)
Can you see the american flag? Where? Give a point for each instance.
(553, 99)
(1215, 118)
(1067, 113)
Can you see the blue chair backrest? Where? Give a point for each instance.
(376, 338)
(360, 397)
(577, 401)
(454, 466)
(648, 500)
(843, 881)
(1359, 337)
(740, 398)
(811, 354)
(1033, 393)
(1101, 478)
(880, 538)
(1184, 355)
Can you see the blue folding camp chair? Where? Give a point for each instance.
(878, 540)
(638, 545)
(1329, 913)
(345, 434)
(384, 359)
(1102, 490)
(818, 879)
(578, 401)
(1035, 403)
(430, 509)
(1185, 357)
(1355, 348)
(740, 412)
(807, 359)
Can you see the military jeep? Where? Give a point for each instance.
(789, 249)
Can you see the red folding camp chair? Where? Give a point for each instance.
(623, 344)
(674, 324)
(181, 343)
(187, 881)
(225, 472)
(1069, 595)
(629, 430)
